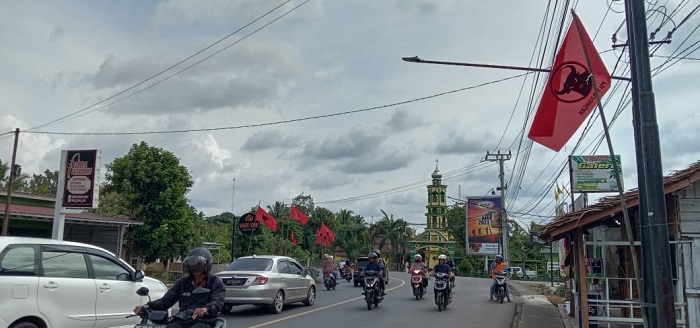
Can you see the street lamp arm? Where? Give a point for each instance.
(416, 59)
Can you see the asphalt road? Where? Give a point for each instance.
(345, 307)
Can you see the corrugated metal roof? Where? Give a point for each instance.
(671, 184)
(42, 211)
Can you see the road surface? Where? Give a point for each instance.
(345, 307)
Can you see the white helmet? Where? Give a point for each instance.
(418, 257)
(442, 257)
(330, 257)
(499, 257)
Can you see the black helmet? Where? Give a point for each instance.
(372, 255)
(198, 259)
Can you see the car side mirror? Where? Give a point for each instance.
(139, 275)
(143, 291)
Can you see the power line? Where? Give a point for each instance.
(173, 66)
(286, 121)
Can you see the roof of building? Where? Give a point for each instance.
(611, 205)
(48, 212)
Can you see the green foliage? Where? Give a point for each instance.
(149, 185)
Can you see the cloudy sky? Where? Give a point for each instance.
(322, 58)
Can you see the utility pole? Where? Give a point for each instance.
(10, 182)
(658, 301)
(500, 158)
(233, 221)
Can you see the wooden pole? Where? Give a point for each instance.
(10, 184)
(581, 265)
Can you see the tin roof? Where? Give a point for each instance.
(48, 212)
(611, 205)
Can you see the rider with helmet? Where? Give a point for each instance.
(442, 267)
(329, 266)
(451, 264)
(418, 264)
(197, 268)
(375, 265)
(497, 266)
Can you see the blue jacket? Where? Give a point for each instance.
(376, 266)
(442, 268)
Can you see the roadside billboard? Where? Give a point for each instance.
(81, 169)
(594, 173)
(483, 225)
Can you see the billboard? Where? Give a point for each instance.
(81, 169)
(483, 225)
(594, 173)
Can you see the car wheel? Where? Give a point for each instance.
(278, 303)
(24, 325)
(310, 296)
(227, 308)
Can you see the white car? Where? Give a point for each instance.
(46, 283)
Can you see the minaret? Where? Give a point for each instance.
(437, 205)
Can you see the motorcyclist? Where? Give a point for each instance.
(375, 265)
(442, 267)
(329, 266)
(347, 269)
(418, 264)
(380, 260)
(197, 268)
(497, 266)
(452, 266)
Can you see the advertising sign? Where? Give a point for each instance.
(594, 173)
(483, 225)
(82, 170)
(248, 224)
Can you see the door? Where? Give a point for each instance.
(302, 281)
(116, 292)
(290, 284)
(19, 280)
(67, 294)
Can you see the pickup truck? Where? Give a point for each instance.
(521, 273)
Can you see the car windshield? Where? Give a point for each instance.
(362, 262)
(250, 264)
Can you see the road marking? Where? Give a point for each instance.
(403, 282)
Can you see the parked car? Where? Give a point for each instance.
(520, 273)
(359, 268)
(46, 283)
(267, 280)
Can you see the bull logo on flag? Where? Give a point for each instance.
(575, 86)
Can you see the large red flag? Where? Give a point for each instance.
(266, 219)
(569, 96)
(294, 239)
(299, 215)
(325, 235)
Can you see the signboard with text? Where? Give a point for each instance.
(483, 225)
(248, 224)
(594, 173)
(82, 170)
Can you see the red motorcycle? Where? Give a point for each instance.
(417, 283)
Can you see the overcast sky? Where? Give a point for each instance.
(325, 57)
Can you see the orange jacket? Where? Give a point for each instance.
(497, 268)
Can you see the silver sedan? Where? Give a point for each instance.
(267, 280)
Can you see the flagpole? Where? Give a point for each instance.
(620, 188)
(233, 223)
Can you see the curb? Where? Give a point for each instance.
(517, 317)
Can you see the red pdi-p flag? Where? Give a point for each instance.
(266, 219)
(569, 97)
(294, 239)
(299, 215)
(326, 235)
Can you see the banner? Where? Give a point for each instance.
(82, 170)
(247, 224)
(594, 173)
(483, 225)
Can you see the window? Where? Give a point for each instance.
(283, 267)
(442, 195)
(295, 269)
(64, 265)
(108, 270)
(250, 264)
(18, 261)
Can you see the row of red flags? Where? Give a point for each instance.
(324, 235)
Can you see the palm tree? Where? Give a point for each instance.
(19, 182)
(393, 231)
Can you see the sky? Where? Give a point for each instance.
(319, 59)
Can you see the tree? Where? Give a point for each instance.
(150, 185)
(42, 184)
(19, 182)
(392, 231)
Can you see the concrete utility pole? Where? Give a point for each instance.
(10, 182)
(658, 299)
(504, 218)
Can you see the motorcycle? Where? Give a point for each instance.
(443, 296)
(372, 290)
(500, 286)
(347, 275)
(160, 319)
(417, 283)
(329, 281)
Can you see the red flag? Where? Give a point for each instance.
(569, 97)
(325, 235)
(266, 219)
(299, 215)
(294, 239)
